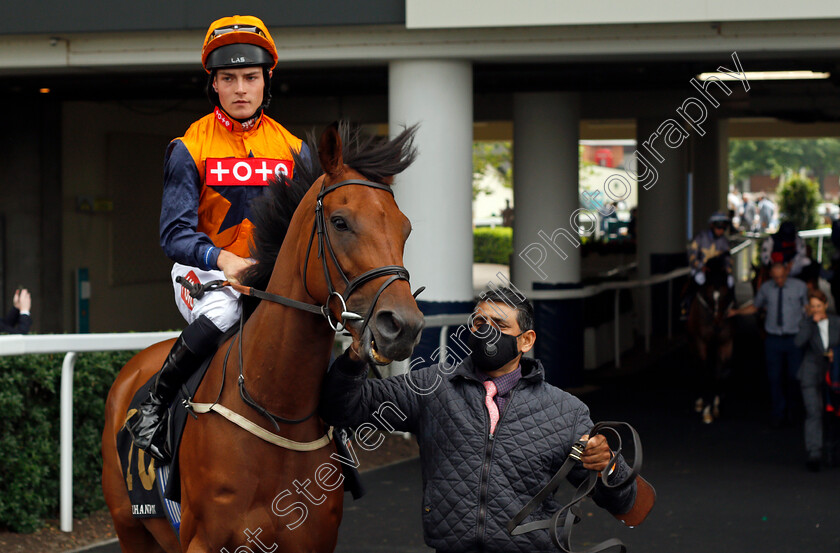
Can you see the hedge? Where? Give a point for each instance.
(492, 245)
(29, 435)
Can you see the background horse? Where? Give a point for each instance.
(711, 336)
(235, 486)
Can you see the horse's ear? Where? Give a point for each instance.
(329, 150)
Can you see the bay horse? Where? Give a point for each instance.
(344, 239)
(711, 337)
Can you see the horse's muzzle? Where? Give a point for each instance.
(395, 333)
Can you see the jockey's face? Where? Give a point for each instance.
(240, 90)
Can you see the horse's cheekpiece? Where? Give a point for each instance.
(569, 515)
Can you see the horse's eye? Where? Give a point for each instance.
(339, 224)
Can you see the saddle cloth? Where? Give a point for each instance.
(154, 490)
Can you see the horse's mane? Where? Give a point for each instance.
(376, 158)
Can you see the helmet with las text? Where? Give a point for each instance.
(235, 42)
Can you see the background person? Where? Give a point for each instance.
(819, 334)
(784, 300)
(766, 210)
(749, 215)
(786, 246)
(491, 430)
(19, 318)
(710, 242)
(211, 174)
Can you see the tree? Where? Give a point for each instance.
(779, 157)
(493, 157)
(798, 201)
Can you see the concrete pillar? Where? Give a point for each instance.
(545, 241)
(662, 225)
(435, 193)
(710, 170)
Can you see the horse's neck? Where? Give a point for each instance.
(285, 355)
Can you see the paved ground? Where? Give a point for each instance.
(734, 486)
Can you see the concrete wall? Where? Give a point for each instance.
(501, 13)
(29, 207)
(112, 159)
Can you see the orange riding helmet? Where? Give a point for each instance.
(238, 41)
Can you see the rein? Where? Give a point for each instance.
(569, 515)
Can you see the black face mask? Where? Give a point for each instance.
(489, 356)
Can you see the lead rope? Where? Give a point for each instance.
(570, 513)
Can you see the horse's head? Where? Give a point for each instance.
(715, 292)
(360, 255)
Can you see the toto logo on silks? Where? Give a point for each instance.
(249, 171)
(188, 300)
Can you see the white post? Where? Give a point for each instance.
(661, 206)
(545, 237)
(437, 95)
(819, 249)
(66, 445)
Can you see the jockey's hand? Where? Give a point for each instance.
(597, 454)
(232, 265)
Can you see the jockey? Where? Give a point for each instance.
(786, 247)
(708, 243)
(211, 174)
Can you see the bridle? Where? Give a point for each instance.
(319, 228)
(715, 311)
(396, 272)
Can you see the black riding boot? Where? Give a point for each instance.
(148, 425)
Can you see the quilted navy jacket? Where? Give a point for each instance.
(473, 484)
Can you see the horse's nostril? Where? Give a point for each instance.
(389, 324)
